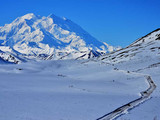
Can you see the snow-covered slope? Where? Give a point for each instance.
(144, 49)
(32, 35)
(141, 57)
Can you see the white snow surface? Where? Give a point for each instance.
(64, 90)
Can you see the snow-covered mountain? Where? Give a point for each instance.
(145, 49)
(35, 36)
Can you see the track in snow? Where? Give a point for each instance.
(123, 109)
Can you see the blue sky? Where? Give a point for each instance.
(117, 22)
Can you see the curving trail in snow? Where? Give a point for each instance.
(123, 109)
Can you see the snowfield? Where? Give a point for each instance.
(64, 90)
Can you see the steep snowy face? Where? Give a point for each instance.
(34, 35)
(143, 50)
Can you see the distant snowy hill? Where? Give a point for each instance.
(142, 50)
(33, 36)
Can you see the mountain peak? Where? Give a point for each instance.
(33, 35)
(28, 16)
(51, 15)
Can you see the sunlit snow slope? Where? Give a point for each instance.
(144, 50)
